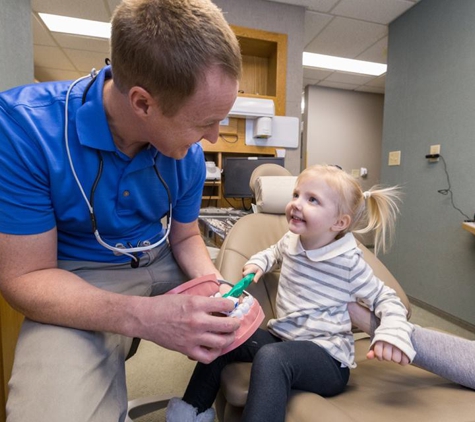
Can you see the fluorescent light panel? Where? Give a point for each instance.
(345, 65)
(75, 26)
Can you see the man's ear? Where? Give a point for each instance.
(342, 223)
(141, 101)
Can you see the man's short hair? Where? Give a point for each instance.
(166, 46)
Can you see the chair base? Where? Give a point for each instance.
(144, 406)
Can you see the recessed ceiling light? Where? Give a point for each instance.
(346, 65)
(75, 26)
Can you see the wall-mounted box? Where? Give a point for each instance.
(251, 107)
(285, 133)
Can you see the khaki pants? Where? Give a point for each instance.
(62, 374)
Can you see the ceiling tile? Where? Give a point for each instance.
(314, 24)
(338, 85)
(377, 11)
(84, 61)
(45, 56)
(379, 82)
(345, 37)
(377, 53)
(309, 82)
(349, 78)
(346, 28)
(77, 42)
(84, 9)
(321, 5)
(372, 89)
(41, 35)
(44, 74)
(317, 74)
(316, 5)
(113, 4)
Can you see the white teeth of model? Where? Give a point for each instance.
(235, 300)
(240, 309)
(237, 313)
(244, 308)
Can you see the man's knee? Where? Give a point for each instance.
(69, 374)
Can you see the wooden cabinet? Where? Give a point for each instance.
(264, 65)
(264, 56)
(10, 322)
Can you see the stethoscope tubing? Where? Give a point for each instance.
(131, 251)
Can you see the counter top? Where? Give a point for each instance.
(469, 227)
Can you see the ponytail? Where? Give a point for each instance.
(381, 212)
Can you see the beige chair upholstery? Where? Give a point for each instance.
(376, 391)
(141, 407)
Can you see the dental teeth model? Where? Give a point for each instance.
(241, 307)
(246, 307)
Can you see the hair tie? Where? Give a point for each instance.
(366, 194)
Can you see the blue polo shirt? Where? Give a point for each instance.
(37, 188)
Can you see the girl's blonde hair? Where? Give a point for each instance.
(372, 211)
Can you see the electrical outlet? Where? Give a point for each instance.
(394, 158)
(434, 149)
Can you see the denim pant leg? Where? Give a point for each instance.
(206, 378)
(280, 367)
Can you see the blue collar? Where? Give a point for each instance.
(91, 121)
(92, 126)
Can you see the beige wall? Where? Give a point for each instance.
(16, 68)
(16, 46)
(344, 128)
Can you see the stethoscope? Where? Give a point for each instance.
(118, 249)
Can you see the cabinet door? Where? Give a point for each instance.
(10, 323)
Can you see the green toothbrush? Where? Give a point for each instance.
(240, 286)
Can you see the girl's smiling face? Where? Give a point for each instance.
(313, 214)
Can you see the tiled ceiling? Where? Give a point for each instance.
(355, 29)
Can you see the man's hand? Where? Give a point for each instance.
(386, 351)
(192, 325)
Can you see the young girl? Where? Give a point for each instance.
(310, 346)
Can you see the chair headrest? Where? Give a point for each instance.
(268, 169)
(273, 193)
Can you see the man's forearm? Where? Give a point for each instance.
(55, 296)
(193, 257)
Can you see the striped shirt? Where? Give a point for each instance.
(314, 289)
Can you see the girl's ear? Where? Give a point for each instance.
(342, 223)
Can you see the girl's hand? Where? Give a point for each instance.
(248, 269)
(386, 351)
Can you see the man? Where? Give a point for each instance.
(89, 169)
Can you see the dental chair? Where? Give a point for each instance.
(377, 391)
